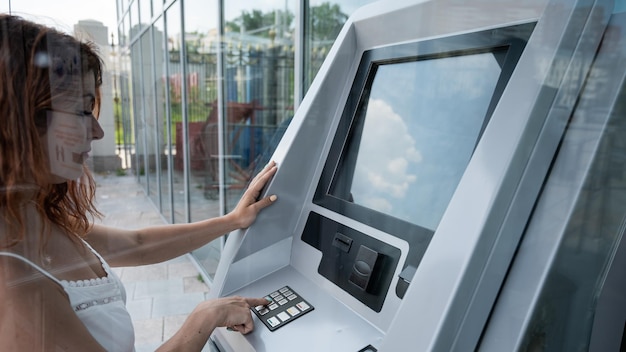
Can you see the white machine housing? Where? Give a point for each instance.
(466, 265)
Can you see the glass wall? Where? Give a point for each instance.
(207, 91)
(323, 22)
(258, 94)
(202, 38)
(163, 128)
(176, 120)
(149, 117)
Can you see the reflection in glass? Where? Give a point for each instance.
(259, 79)
(138, 113)
(149, 116)
(421, 122)
(324, 21)
(162, 124)
(174, 81)
(145, 8)
(201, 45)
(124, 38)
(125, 86)
(134, 20)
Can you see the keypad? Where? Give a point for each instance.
(285, 306)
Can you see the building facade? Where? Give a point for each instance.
(203, 91)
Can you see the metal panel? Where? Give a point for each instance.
(570, 186)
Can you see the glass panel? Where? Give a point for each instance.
(134, 13)
(202, 41)
(163, 127)
(145, 8)
(176, 110)
(128, 123)
(410, 150)
(125, 39)
(324, 21)
(259, 81)
(575, 284)
(120, 8)
(138, 116)
(150, 117)
(123, 65)
(118, 98)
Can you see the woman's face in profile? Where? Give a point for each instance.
(71, 129)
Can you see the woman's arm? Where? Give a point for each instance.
(232, 312)
(155, 244)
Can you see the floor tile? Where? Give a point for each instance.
(194, 284)
(158, 288)
(144, 273)
(181, 269)
(148, 331)
(171, 324)
(140, 309)
(176, 304)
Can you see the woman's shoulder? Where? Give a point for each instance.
(22, 270)
(29, 298)
(16, 266)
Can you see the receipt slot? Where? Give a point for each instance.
(452, 162)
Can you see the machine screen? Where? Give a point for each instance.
(415, 133)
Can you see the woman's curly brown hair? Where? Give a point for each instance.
(29, 54)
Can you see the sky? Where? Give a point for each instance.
(63, 14)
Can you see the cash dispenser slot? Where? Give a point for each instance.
(359, 264)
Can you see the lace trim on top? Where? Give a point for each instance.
(88, 282)
(93, 283)
(108, 279)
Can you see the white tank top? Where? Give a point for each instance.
(99, 303)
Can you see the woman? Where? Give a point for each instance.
(56, 286)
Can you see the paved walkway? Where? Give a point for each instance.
(159, 296)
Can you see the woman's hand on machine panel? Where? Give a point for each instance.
(232, 312)
(249, 205)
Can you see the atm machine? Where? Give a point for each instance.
(454, 180)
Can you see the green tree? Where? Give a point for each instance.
(326, 21)
(193, 41)
(260, 23)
